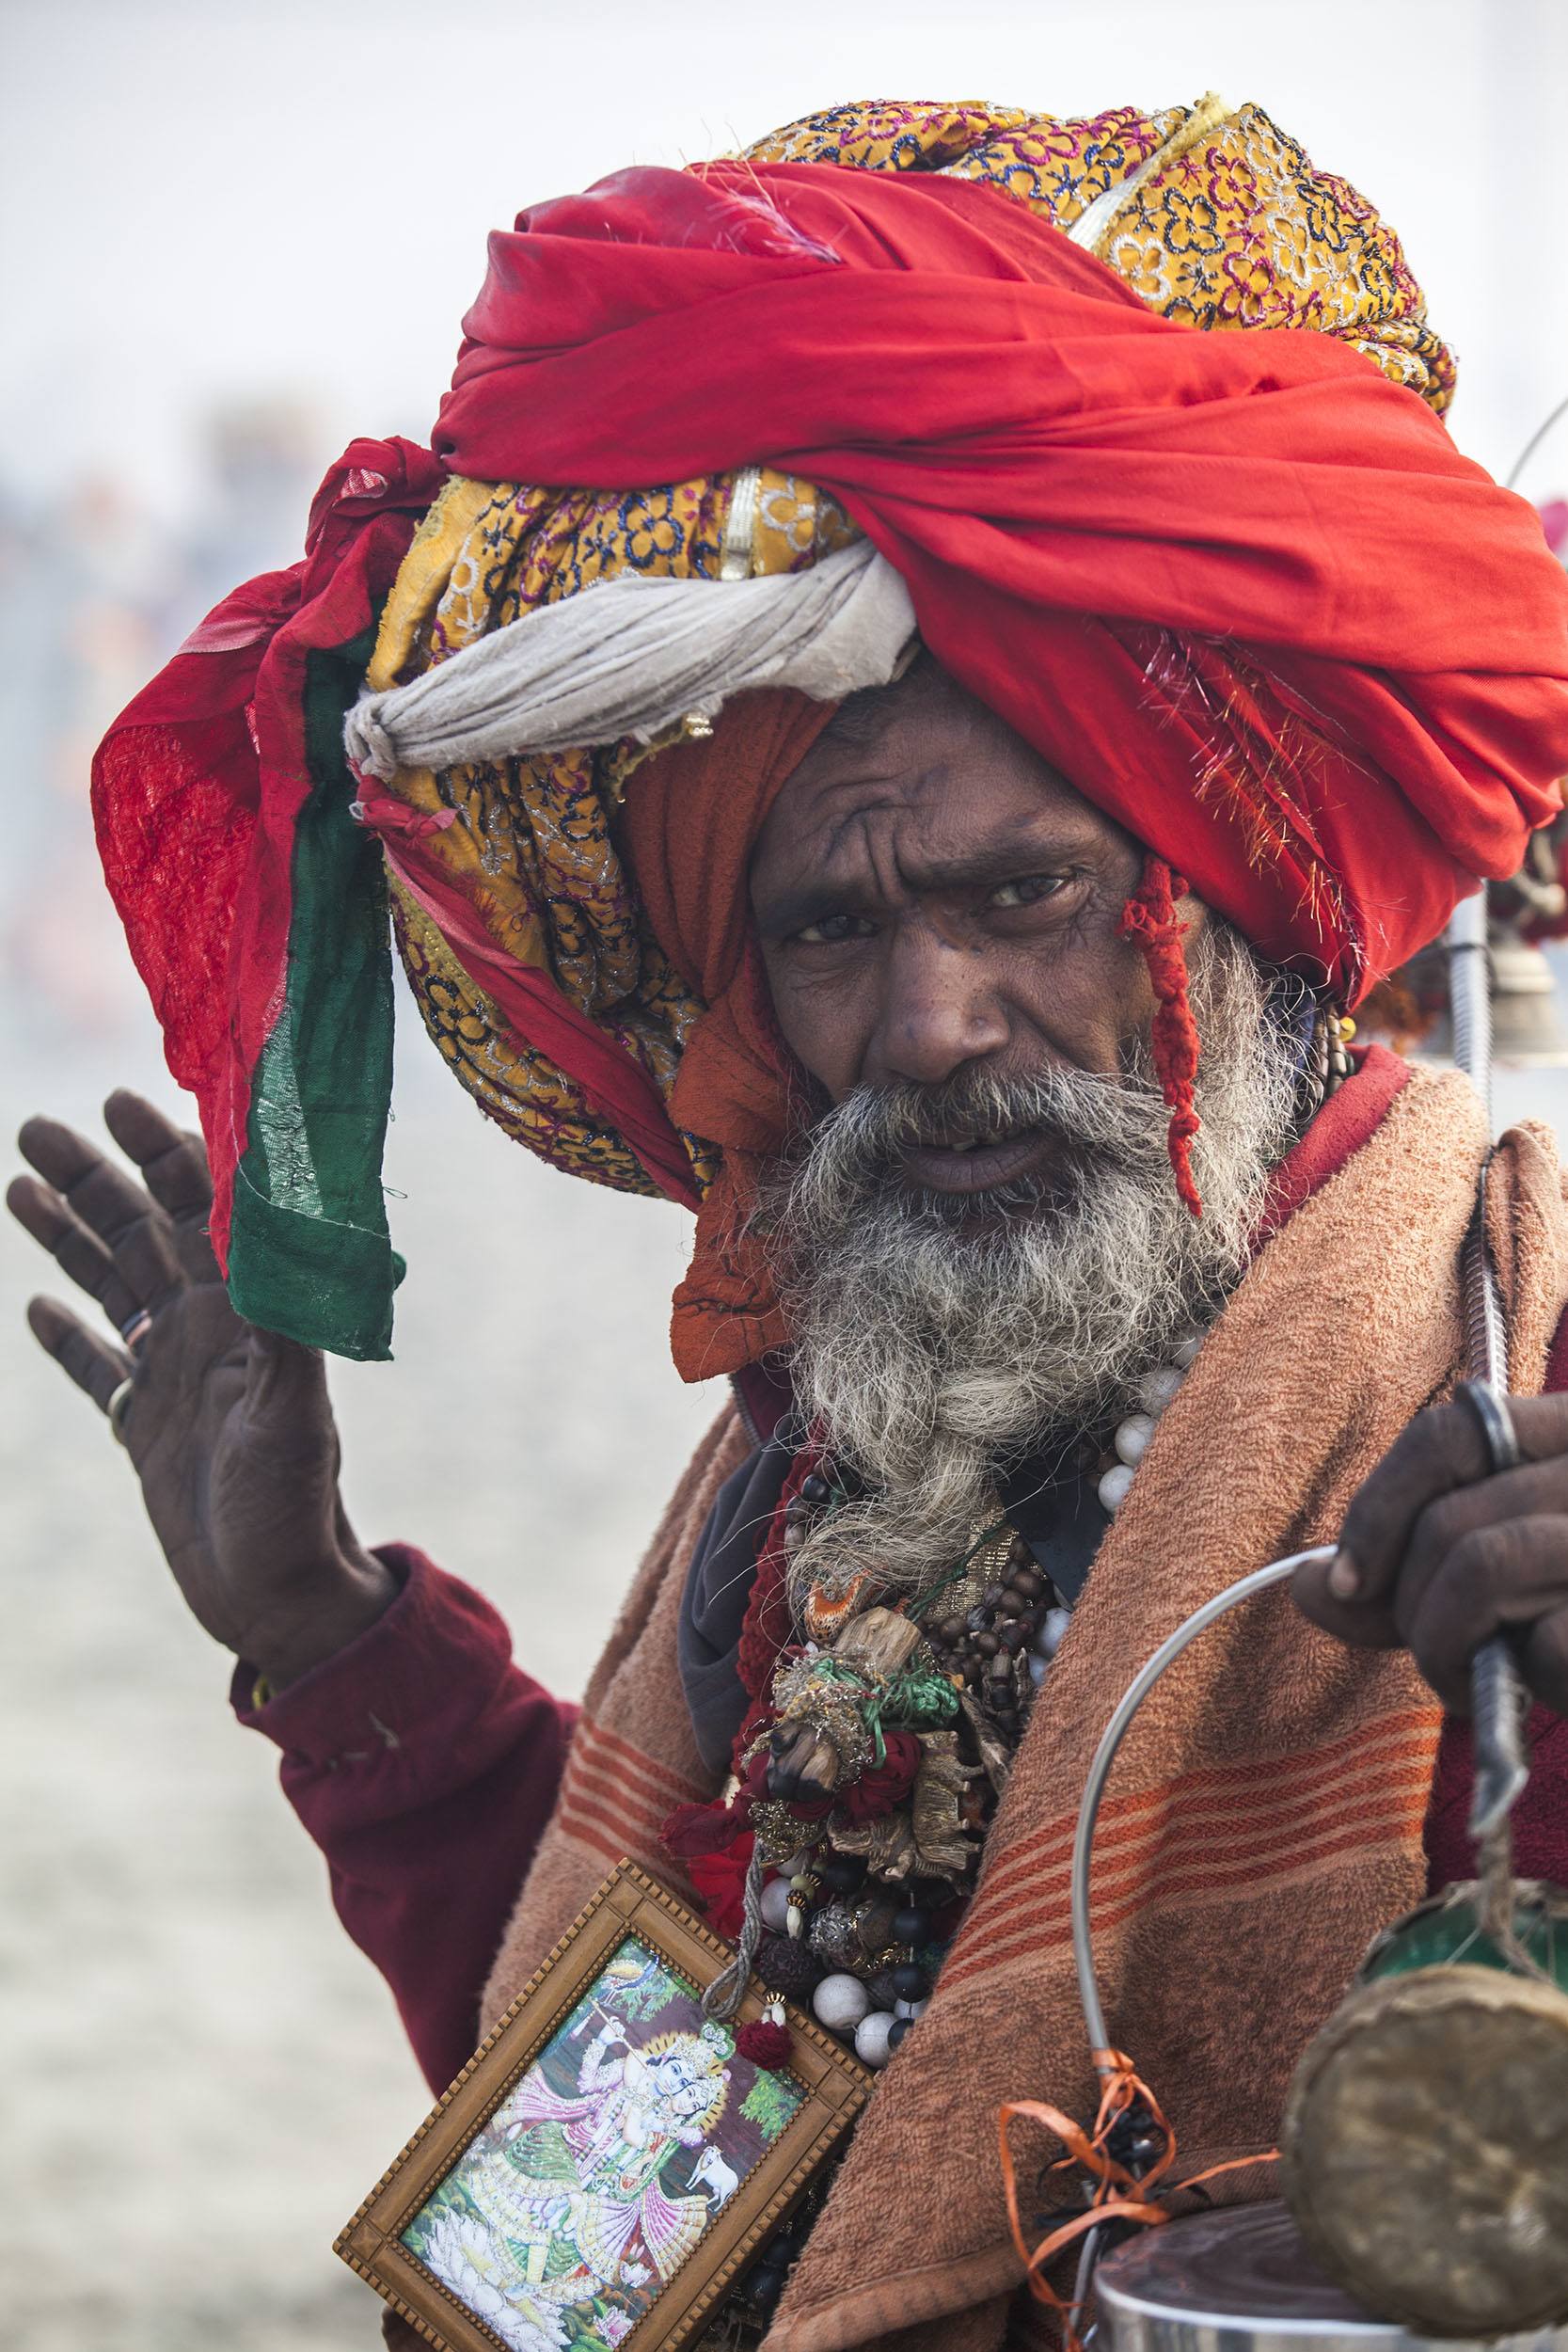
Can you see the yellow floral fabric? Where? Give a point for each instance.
(534, 840)
(1214, 219)
(1237, 229)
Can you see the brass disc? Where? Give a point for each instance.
(1424, 2151)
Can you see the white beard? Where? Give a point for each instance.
(933, 1339)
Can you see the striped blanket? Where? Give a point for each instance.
(1264, 1819)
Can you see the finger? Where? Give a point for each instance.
(40, 1211)
(1538, 1489)
(111, 1204)
(1441, 1450)
(174, 1164)
(1495, 1579)
(1535, 1490)
(91, 1362)
(1364, 1625)
(1544, 1657)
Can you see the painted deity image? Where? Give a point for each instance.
(600, 2171)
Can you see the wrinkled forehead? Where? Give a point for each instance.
(918, 778)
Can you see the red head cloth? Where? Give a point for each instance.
(1241, 589)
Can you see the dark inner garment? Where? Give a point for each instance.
(1055, 1510)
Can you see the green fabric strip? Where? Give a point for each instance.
(309, 1253)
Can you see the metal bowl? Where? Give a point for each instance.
(1241, 2281)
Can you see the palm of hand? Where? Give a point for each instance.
(233, 1484)
(229, 1427)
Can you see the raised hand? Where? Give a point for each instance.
(229, 1427)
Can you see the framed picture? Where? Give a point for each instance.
(601, 2170)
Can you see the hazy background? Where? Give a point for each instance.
(233, 235)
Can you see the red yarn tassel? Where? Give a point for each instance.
(1150, 918)
(766, 2044)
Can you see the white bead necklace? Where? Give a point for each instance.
(842, 2001)
(1155, 1391)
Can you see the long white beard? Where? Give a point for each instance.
(932, 1341)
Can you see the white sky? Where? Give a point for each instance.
(210, 199)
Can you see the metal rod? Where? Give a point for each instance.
(1497, 1694)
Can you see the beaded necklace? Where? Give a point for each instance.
(879, 1790)
(875, 1766)
(886, 1740)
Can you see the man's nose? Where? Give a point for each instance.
(940, 1009)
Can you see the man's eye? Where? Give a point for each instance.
(1027, 890)
(832, 929)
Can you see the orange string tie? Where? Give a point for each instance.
(1148, 919)
(1118, 2194)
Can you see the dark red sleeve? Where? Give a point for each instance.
(1541, 1815)
(425, 1765)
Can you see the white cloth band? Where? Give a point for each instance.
(637, 654)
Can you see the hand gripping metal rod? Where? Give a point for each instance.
(1497, 1694)
(1499, 1767)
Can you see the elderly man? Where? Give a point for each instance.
(1031, 686)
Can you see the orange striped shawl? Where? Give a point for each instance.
(1264, 1819)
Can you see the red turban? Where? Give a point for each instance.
(1240, 589)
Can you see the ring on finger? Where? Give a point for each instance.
(134, 1328)
(1498, 1435)
(118, 1406)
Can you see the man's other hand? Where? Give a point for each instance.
(1435, 1554)
(229, 1427)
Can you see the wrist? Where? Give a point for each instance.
(333, 1604)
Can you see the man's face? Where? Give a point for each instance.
(941, 914)
(931, 898)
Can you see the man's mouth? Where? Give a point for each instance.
(971, 1161)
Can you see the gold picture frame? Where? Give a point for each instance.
(562, 2196)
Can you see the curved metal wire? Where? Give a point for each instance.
(1258, 1581)
(1137, 1690)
